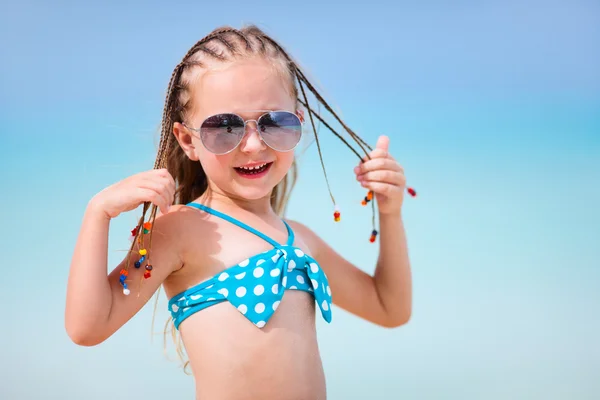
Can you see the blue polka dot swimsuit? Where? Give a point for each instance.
(256, 285)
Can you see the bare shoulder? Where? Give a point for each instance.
(313, 241)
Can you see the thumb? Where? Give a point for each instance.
(383, 143)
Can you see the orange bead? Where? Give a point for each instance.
(124, 272)
(364, 202)
(370, 195)
(147, 225)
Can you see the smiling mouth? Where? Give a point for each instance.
(253, 170)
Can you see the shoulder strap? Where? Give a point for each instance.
(243, 225)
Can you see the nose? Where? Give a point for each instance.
(252, 142)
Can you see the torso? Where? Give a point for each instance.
(229, 356)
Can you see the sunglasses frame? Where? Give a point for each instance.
(246, 121)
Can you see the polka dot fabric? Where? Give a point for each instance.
(256, 286)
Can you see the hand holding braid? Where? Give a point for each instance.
(228, 44)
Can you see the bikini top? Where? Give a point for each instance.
(256, 285)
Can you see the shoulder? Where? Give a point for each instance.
(170, 230)
(308, 236)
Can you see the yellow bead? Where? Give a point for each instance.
(142, 252)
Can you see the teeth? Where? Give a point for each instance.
(255, 167)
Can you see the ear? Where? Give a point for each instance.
(185, 139)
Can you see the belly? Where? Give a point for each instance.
(233, 359)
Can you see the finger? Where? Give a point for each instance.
(383, 143)
(381, 188)
(164, 176)
(377, 164)
(160, 188)
(376, 153)
(384, 176)
(149, 195)
(171, 186)
(381, 149)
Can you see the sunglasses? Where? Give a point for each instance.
(222, 133)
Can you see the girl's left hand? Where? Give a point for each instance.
(384, 176)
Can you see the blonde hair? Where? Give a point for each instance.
(227, 44)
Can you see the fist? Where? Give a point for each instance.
(156, 186)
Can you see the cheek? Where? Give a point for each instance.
(285, 161)
(216, 167)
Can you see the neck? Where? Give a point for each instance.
(260, 207)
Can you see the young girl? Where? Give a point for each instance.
(244, 284)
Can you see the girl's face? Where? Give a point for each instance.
(247, 88)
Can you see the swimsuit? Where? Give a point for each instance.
(256, 285)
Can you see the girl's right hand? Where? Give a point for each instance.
(156, 186)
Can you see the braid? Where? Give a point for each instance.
(222, 45)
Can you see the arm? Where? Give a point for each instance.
(384, 298)
(96, 306)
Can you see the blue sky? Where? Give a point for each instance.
(493, 108)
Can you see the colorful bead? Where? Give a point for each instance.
(142, 258)
(367, 198)
(126, 292)
(146, 231)
(137, 264)
(149, 267)
(147, 225)
(373, 236)
(143, 252)
(147, 274)
(336, 214)
(411, 191)
(124, 272)
(134, 231)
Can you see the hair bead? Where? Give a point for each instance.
(123, 276)
(367, 198)
(336, 214)
(373, 236)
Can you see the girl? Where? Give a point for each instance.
(244, 284)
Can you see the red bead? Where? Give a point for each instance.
(411, 191)
(336, 214)
(147, 274)
(372, 239)
(134, 231)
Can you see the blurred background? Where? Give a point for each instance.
(492, 107)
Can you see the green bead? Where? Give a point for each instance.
(146, 231)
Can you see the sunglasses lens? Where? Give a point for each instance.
(222, 133)
(281, 130)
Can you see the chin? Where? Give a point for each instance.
(256, 186)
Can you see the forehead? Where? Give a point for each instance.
(243, 87)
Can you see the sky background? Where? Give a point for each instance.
(493, 108)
